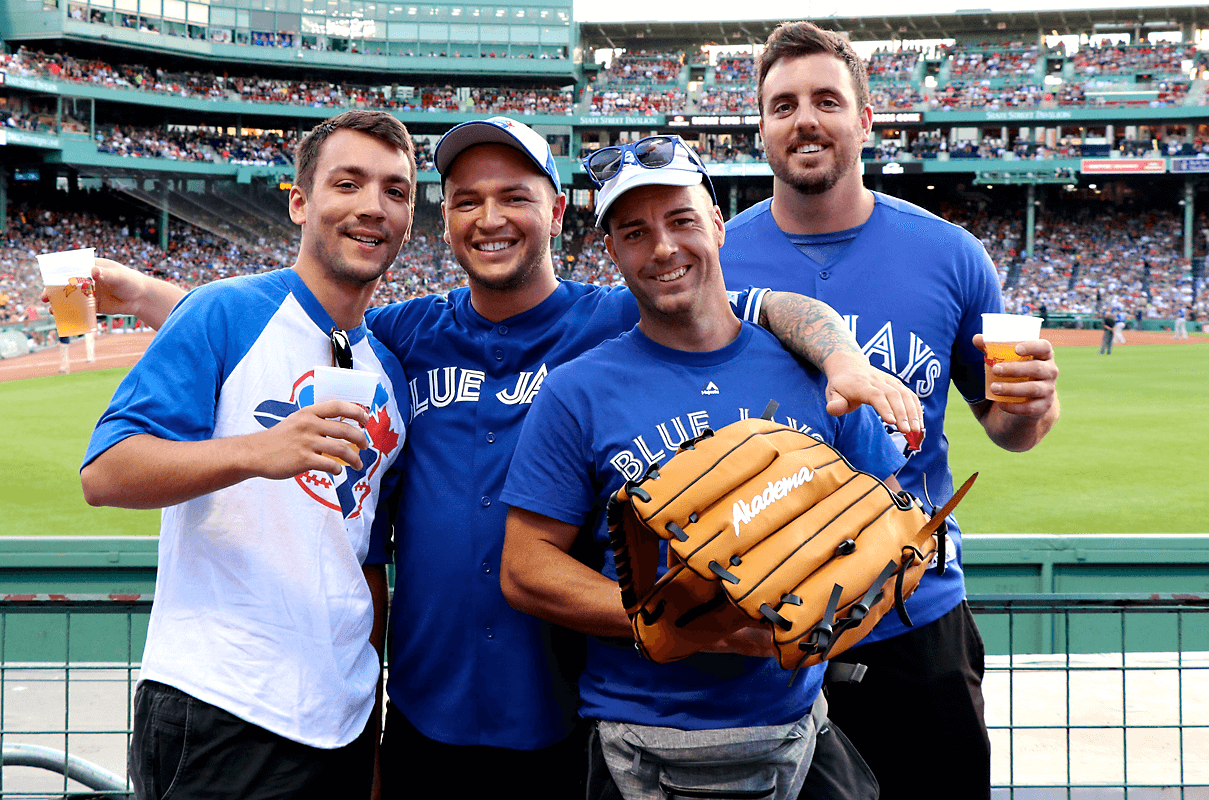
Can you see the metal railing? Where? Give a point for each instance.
(1087, 696)
(68, 668)
(1071, 717)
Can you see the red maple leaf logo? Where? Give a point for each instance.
(381, 434)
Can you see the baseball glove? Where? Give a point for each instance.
(766, 525)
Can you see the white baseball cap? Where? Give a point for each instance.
(653, 161)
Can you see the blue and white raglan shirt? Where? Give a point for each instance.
(466, 667)
(261, 607)
(912, 288)
(602, 420)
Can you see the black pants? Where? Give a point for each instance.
(186, 749)
(415, 766)
(920, 702)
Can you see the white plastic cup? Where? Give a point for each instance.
(1010, 327)
(1000, 335)
(354, 386)
(67, 276)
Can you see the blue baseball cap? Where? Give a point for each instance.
(497, 130)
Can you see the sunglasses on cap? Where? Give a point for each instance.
(653, 152)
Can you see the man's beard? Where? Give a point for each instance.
(811, 184)
(516, 279)
(338, 268)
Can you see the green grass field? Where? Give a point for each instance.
(48, 420)
(1128, 455)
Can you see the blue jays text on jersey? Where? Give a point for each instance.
(441, 386)
(657, 447)
(922, 367)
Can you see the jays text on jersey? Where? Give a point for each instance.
(934, 280)
(261, 607)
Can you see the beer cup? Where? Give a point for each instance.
(354, 386)
(68, 279)
(1000, 335)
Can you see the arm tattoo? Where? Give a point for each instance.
(806, 327)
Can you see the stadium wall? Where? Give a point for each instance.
(996, 565)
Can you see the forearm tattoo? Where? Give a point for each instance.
(807, 327)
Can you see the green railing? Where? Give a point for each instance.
(1073, 722)
(68, 668)
(1078, 722)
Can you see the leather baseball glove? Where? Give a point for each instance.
(767, 525)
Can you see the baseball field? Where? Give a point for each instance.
(1128, 455)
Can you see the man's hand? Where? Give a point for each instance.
(118, 288)
(309, 439)
(1041, 388)
(1020, 426)
(852, 381)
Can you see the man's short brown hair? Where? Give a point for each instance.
(794, 39)
(378, 124)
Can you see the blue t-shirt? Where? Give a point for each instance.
(912, 289)
(603, 419)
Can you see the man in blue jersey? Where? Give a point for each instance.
(263, 656)
(715, 724)
(911, 288)
(471, 679)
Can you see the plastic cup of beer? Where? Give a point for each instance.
(353, 386)
(1000, 335)
(68, 279)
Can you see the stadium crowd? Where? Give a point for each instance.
(198, 145)
(1010, 60)
(728, 98)
(895, 98)
(255, 89)
(735, 68)
(967, 95)
(1088, 258)
(626, 87)
(605, 101)
(893, 65)
(642, 68)
(1106, 58)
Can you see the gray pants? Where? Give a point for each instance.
(653, 763)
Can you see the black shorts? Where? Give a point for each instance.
(186, 749)
(557, 772)
(921, 698)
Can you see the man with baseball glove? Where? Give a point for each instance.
(722, 719)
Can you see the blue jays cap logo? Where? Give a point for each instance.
(347, 491)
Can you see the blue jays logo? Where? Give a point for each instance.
(347, 491)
